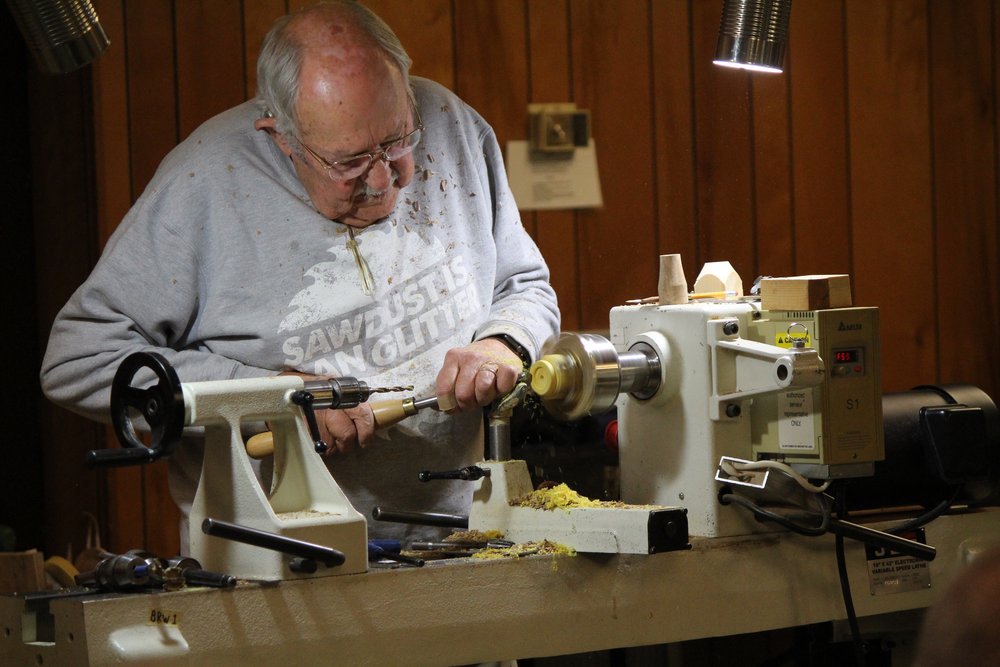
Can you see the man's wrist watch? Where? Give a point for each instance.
(515, 347)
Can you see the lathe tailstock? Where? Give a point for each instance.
(304, 507)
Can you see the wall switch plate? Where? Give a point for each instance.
(558, 128)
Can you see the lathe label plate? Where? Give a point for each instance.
(890, 572)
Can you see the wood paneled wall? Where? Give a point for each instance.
(874, 154)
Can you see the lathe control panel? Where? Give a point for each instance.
(834, 429)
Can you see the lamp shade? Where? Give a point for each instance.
(63, 35)
(753, 34)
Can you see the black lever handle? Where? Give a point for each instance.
(273, 541)
(421, 518)
(118, 458)
(468, 474)
(305, 399)
(879, 538)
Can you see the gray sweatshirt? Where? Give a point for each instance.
(224, 267)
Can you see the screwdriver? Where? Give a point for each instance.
(389, 550)
(386, 413)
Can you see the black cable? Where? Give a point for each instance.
(845, 588)
(726, 497)
(927, 517)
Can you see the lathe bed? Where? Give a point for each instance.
(469, 610)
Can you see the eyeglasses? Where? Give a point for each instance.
(352, 167)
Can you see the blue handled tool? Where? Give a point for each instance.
(389, 550)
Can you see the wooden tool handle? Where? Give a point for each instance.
(260, 445)
(446, 403)
(386, 414)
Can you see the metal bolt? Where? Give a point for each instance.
(731, 328)
(733, 410)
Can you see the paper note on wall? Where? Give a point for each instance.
(553, 182)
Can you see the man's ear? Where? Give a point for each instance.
(268, 124)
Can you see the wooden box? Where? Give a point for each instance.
(815, 292)
(21, 572)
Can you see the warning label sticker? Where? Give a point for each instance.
(891, 572)
(795, 421)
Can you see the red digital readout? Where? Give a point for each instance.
(845, 356)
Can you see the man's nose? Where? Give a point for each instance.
(379, 175)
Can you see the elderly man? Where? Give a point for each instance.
(351, 220)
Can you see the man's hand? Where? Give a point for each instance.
(478, 373)
(343, 429)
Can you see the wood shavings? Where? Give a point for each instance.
(474, 536)
(302, 514)
(558, 496)
(542, 548)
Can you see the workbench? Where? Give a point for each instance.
(471, 610)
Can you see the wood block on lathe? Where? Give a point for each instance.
(21, 572)
(815, 292)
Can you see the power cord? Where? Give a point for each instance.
(727, 496)
(927, 517)
(732, 467)
(845, 588)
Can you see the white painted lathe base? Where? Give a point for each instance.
(468, 611)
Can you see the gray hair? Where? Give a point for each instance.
(280, 60)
